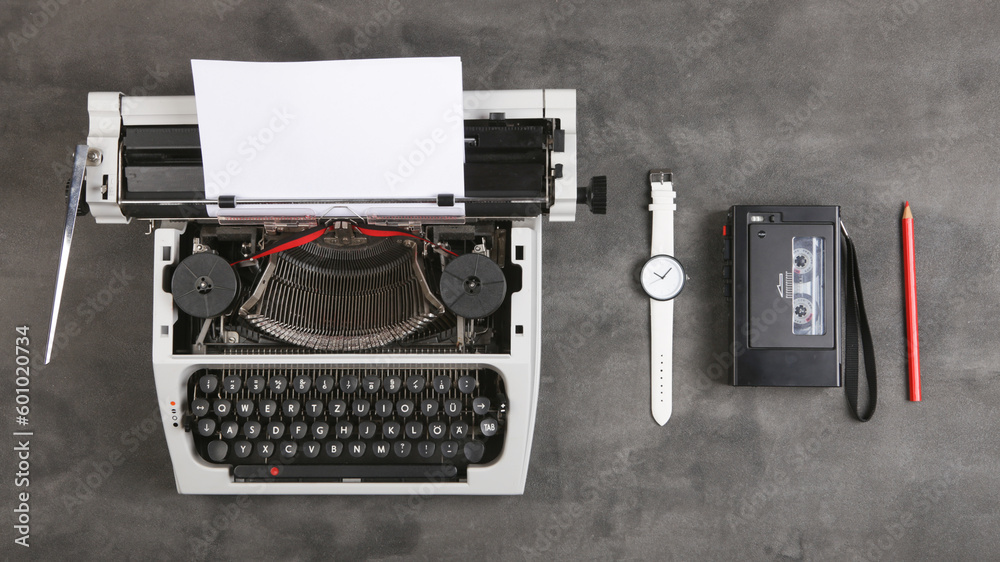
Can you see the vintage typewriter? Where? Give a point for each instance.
(344, 354)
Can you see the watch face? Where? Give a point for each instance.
(662, 277)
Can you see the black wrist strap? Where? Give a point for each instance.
(855, 318)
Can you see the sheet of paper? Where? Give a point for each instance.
(354, 129)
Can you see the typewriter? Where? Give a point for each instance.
(342, 354)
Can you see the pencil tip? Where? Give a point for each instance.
(907, 203)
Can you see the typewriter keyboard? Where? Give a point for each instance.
(347, 424)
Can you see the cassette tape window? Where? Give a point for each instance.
(807, 286)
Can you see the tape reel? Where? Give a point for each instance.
(204, 285)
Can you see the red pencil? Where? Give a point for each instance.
(910, 283)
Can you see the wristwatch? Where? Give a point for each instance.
(662, 278)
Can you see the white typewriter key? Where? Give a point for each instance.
(208, 383)
(251, 429)
(320, 430)
(466, 384)
(310, 449)
(206, 427)
(242, 449)
(449, 449)
(199, 407)
(366, 429)
(217, 450)
(481, 405)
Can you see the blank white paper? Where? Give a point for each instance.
(353, 129)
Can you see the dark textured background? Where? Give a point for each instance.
(749, 102)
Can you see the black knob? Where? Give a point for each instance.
(595, 195)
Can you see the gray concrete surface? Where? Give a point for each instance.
(847, 102)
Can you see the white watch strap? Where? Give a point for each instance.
(661, 313)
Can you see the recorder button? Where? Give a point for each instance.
(727, 251)
(217, 450)
(727, 290)
(727, 272)
(208, 384)
(199, 407)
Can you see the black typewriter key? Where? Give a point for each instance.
(371, 384)
(392, 384)
(244, 408)
(474, 451)
(349, 384)
(291, 408)
(357, 448)
(404, 408)
(288, 449)
(344, 430)
(232, 384)
(383, 408)
(314, 408)
(381, 449)
(337, 408)
(452, 407)
(199, 407)
(334, 448)
(277, 384)
(442, 384)
(481, 405)
(222, 408)
(242, 449)
(265, 449)
(310, 449)
(297, 430)
(268, 408)
(208, 383)
(256, 384)
(488, 427)
(230, 429)
(206, 427)
(402, 449)
(324, 383)
(390, 430)
(361, 407)
(320, 430)
(429, 407)
(414, 430)
(459, 430)
(217, 450)
(366, 429)
(425, 449)
(251, 429)
(275, 430)
(466, 384)
(302, 384)
(415, 383)
(437, 429)
(449, 449)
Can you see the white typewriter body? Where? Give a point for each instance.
(110, 113)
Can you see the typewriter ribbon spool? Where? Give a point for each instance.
(204, 285)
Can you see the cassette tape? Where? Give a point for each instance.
(784, 291)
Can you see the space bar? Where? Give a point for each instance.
(339, 472)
